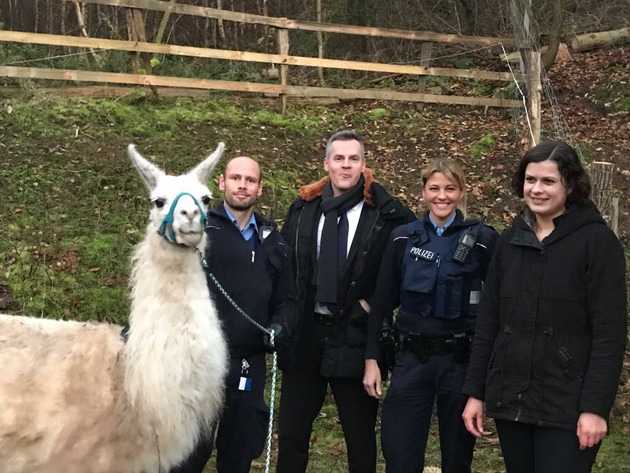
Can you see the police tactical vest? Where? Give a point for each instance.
(434, 283)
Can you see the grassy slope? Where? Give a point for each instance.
(72, 208)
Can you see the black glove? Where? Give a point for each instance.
(389, 346)
(278, 334)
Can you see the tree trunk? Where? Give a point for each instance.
(136, 32)
(81, 21)
(50, 13)
(220, 26)
(549, 56)
(206, 27)
(522, 23)
(63, 18)
(584, 42)
(36, 21)
(466, 11)
(320, 43)
(356, 14)
(235, 44)
(26, 13)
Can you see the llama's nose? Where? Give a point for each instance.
(190, 214)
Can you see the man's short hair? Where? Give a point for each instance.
(260, 174)
(345, 135)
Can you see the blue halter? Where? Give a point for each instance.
(166, 227)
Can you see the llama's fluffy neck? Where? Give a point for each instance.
(174, 357)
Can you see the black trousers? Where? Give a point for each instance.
(302, 396)
(242, 429)
(528, 448)
(407, 411)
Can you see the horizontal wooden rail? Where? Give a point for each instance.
(136, 46)
(286, 23)
(158, 81)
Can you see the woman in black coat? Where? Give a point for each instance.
(550, 335)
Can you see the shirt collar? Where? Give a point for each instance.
(252, 220)
(440, 229)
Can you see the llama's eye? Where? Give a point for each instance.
(159, 203)
(206, 200)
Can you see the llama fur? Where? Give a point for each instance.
(77, 399)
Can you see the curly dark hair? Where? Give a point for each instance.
(573, 174)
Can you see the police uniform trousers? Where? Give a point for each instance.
(242, 428)
(302, 396)
(407, 411)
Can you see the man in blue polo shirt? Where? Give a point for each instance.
(248, 256)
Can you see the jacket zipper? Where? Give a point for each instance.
(297, 265)
(518, 415)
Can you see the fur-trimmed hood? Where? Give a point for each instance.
(313, 190)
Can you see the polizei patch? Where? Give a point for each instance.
(419, 253)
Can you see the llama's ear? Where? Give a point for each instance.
(148, 171)
(204, 169)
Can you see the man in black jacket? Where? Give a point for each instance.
(249, 258)
(337, 230)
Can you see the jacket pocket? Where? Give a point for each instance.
(420, 276)
(495, 374)
(356, 331)
(561, 382)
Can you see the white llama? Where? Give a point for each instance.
(75, 398)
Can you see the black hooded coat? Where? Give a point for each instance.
(550, 336)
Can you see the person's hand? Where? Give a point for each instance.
(278, 334)
(372, 379)
(473, 417)
(591, 429)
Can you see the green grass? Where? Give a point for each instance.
(482, 146)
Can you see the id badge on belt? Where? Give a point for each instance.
(245, 383)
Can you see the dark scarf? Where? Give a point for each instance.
(328, 269)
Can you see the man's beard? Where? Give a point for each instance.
(240, 206)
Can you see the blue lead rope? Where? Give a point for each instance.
(166, 227)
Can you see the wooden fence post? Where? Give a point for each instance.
(530, 66)
(534, 92)
(603, 193)
(283, 49)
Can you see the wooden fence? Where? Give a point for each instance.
(282, 58)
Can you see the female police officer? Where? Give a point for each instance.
(433, 269)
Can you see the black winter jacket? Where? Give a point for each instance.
(550, 337)
(256, 276)
(343, 354)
